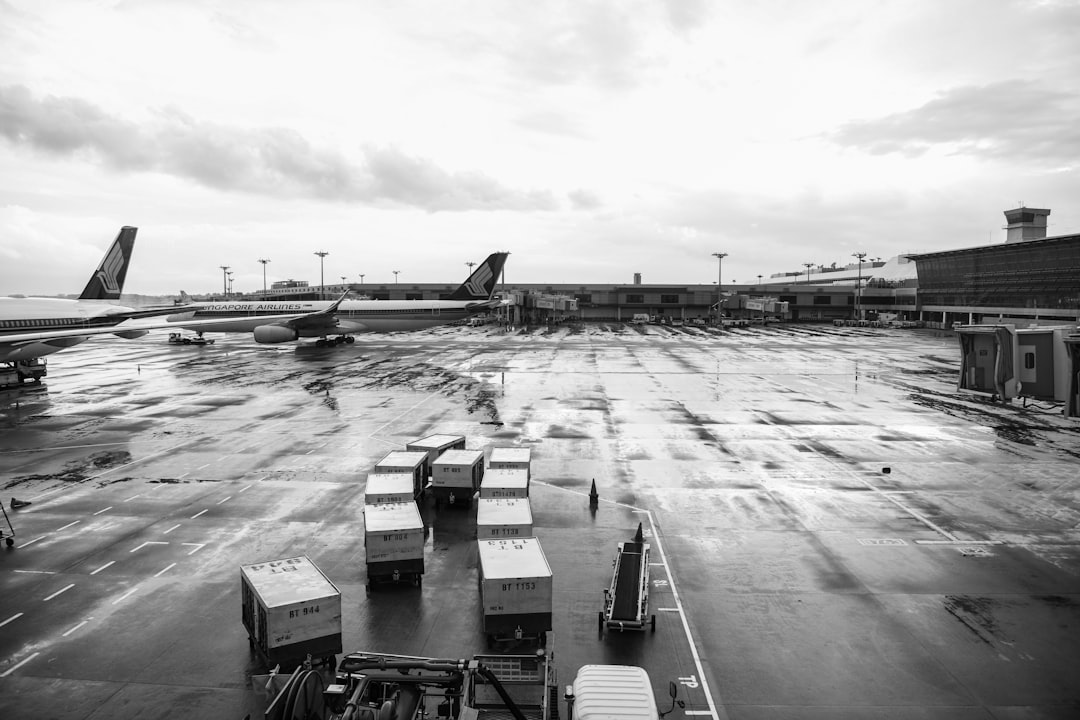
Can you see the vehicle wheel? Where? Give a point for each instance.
(187, 341)
(652, 623)
(600, 621)
(10, 542)
(350, 340)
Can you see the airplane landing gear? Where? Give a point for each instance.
(330, 342)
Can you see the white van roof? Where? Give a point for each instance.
(613, 692)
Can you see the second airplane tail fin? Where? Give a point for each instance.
(481, 284)
(108, 280)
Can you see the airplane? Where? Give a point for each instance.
(334, 323)
(33, 327)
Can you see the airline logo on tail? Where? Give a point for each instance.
(481, 284)
(108, 280)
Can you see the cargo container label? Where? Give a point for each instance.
(299, 612)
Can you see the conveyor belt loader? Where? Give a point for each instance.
(626, 601)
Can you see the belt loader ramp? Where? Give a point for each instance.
(626, 600)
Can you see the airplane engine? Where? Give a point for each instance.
(131, 334)
(274, 334)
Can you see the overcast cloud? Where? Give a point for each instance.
(590, 139)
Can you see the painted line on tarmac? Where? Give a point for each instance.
(148, 542)
(199, 513)
(197, 546)
(245, 487)
(16, 616)
(225, 500)
(111, 562)
(395, 419)
(171, 529)
(103, 510)
(162, 572)
(36, 572)
(13, 668)
(76, 627)
(31, 542)
(74, 522)
(125, 595)
(133, 497)
(58, 592)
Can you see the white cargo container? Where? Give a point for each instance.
(436, 445)
(516, 457)
(515, 590)
(505, 483)
(612, 692)
(384, 488)
(404, 461)
(456, 476)
(393, 543)
(291, 610)
(503, 518)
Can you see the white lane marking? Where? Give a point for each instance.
(36, 572)
(133, 497)
(245, 487)
(62, 590)
(103, 567)
(16, 616)
(202, 466)
(225, 500)
(699, 712)
(75, 522)
(171, 529)
(75, 628)
(149, 542)
(125, 595)
(13, 668)
(103, 510)
(31, 542)
(181, 477)
(674, 609)
(197, 546)
(162, 572)
(198, 514)
(959, 542)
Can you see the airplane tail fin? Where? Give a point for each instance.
(108, 280)
(481, 284)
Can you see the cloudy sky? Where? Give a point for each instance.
(591, 139)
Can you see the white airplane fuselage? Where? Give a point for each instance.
(19, 316)
(353, 316)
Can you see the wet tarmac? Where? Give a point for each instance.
(837, 532)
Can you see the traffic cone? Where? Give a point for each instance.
(639, 536)
(594, 497)
(18, 503)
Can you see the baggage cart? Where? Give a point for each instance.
(626, 600)
(456, 476)
(403, 461)
(511, 457)
(388, 488)
(436, 445)
(503, 518)
(393, 543)
(505, 483)
(291, 611)
(515, 591)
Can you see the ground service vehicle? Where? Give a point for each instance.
(415, 463)
(436, 445)
(606, 692)
(503, 518)
(388, 488)
(372, 686)
(291, 611)
(626, 600)
(511, 457)
(20, 371)
(182, 339)
(456, 476)
(505, 483)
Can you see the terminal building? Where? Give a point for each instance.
(1030, 279)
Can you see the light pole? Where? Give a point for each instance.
(719, 273)
(225, 280)
(264, 262)
(470, 264)
(343, 279)
(762, 299)
(361, 279)
(229, 274)
(322, 283)
(858, 287)
(395, 276)
(808, 266)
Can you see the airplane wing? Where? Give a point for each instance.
(57, 337)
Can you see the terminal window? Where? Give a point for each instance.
(669, 299)
(823, 299)
(635, 299)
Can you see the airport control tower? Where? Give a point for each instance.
(1025, 224)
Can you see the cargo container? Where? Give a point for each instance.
(515, 590)
(388, 488)
(516, 457)
(503, 518)
(291, 611)
(436, 445)
(393, 543)
(456, 476)
(505, 483)
(404, 461)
